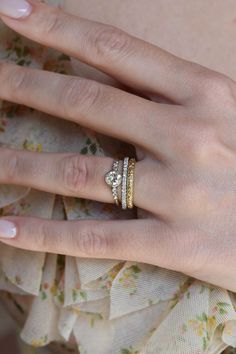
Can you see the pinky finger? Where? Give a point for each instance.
(148, 241)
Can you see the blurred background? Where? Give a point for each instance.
(10, 343)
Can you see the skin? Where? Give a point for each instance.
(200, 31)
(186, 150)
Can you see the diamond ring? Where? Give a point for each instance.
(113, 179)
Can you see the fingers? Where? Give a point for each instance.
(65, 174)
(131, 60)
(144, 241)
(105, 109)
(77, 175)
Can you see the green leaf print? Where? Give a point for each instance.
(222, 307)
(222, 304)
(83, 294)
(64, 57)
(21, 62)
(129, 351)
(78, 293)
(203, 288)
(204, 346)
(135, 269)
(93, 148)
(18, 52)
(222, 311)
(61, 296)
(84, 151)
(74, 294)
(202, 317)
(129, 278)
(94, 317)
(43, 295)
(88, 141)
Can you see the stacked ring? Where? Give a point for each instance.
(114, 179)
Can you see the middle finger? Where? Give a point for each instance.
(106, 109)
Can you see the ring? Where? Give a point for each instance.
(124, 183)
(113, 178)
(130, 184)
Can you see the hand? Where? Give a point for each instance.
(185, 177)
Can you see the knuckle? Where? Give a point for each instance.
(44, 236)
(73, 171)
(216, 88)
(79, 94)
(12, 167)
(191, 194)
(93, 241)
(48, 24)
(18, 80)
(196, 199)
(201, 142)
(205, 144)
(110, 41)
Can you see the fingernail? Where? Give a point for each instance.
(7, 229)
(15, 8)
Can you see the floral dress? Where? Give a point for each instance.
(103, 306)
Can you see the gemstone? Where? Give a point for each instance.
(113, 179)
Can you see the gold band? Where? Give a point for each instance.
(130, 183)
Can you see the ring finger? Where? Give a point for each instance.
(70, 175)
(65, 174)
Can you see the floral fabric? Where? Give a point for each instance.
(107, 306)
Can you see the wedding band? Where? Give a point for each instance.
(130, 184)
(124, 183)
(113, 179)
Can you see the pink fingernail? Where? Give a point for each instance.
(7, 229)
(15, 8)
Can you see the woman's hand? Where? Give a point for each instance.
(185, 177)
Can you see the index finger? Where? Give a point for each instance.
(132, 61)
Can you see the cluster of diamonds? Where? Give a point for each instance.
(124, 183)
(114, 179)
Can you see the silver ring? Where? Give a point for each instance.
(124, 183)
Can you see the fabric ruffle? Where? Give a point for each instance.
(106, 306)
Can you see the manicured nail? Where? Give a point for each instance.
(7, 229)
(15, 8)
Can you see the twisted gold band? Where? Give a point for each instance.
(130, 183)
